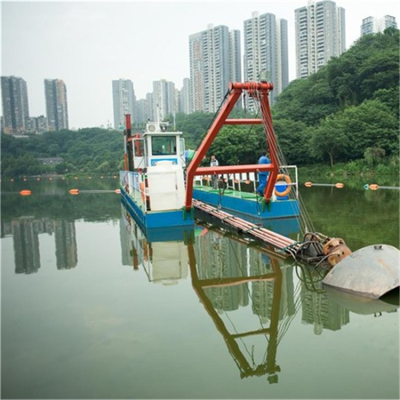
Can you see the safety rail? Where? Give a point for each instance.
(236, 180)
(136, 190)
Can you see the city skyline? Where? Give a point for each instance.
(88, 45)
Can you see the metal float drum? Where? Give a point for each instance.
(371, 271)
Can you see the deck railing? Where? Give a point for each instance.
(130, 183)
(248, 182)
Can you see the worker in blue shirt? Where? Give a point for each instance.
(262, 175)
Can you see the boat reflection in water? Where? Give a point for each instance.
(229, 276)
(162, 254)
(252, 293)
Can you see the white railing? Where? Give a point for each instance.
(235, 181)
(131, 183)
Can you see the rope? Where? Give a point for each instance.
(304, 218)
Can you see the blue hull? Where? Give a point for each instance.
(152, 220)
(249, 208)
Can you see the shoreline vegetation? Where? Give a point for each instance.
(341, 122)
(349, 174)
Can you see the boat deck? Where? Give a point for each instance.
(246, 204)
(229, 192)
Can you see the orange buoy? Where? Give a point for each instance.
(25, 192)
(374, 186)
(118, 191)
(308, 184)
(339, 185)
(74, 191)
(38, 179)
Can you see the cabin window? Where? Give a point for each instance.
(163, 145)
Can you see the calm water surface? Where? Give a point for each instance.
(91, 309)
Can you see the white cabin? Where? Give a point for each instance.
(158, 168)
(157, 144)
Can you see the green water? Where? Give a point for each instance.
(90, 309)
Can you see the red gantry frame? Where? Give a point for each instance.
(258, 91)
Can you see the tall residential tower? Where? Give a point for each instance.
(55, 92)
(123, 101)
(14, 95)
(164, 102)
(214, 58)
(184, 97)
(320, 35)
(375, 25)
(266, 52)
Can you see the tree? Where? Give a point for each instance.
(379, 71)
(329, 139)
(293, 140)
(389, 97)
(194, 127)
(373, 125)
(239, 145)
(373, 155)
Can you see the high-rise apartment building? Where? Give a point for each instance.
(266, 53)
(30, 125)
(375, 25)
(214, 57)
(14, 94)
(55, 92)
(41, 124)
(123, 101)
(235, 55)
(184, 97)
(141, 111)
(36, 125)
(320, 35)
(149, 106)
(164, 101)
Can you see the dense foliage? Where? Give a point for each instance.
(349, 108)
(348, 112)
(90, 150)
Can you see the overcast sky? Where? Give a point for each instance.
(89, 44)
